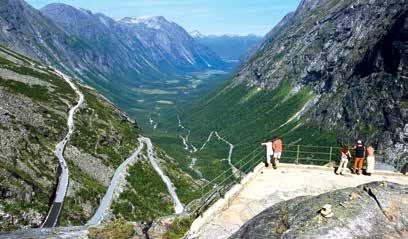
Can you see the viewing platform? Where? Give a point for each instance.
(265, 187)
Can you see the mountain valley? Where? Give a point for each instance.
(135, 121)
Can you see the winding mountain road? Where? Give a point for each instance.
(55, 210)
(118, 178)
(194, 149)
(52, 217)
(178, 207)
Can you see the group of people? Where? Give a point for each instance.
(361, 152)
(274, 149)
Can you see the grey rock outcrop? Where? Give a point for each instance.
(374, 210)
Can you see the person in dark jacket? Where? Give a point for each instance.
(404, 169)
(359, 157)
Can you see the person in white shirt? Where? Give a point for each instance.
(345, 155)
(269, 152)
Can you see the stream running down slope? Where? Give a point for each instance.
(186, 138)
(235, 171)
(118, 178)
(187, 147)
(52, 217)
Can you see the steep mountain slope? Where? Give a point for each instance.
(171, 45)
(34, 106)
(330, 72)
(34, 102)
(230, 48)
(28, 32)
(103, 138)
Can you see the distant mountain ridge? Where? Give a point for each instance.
(164, 45)
(172, 43)
(196, 34)
(230, 47)
(112, 56)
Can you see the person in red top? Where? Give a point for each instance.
(277, 146)
(345, 155)
(370, 160)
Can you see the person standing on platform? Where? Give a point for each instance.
(359, 157)
(269, 153)
(370, 160)
(345, 155)
(277, 146)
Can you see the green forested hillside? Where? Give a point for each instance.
(244, 116)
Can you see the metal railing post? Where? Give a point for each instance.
(330, 155)
(297, 154)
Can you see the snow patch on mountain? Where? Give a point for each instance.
(153, 22)
(196, 34)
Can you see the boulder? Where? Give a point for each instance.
(373, 210)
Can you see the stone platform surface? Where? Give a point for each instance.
(268, 187)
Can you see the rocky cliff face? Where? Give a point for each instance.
(374, 210)
(351, 58)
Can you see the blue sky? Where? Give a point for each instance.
(208, 16)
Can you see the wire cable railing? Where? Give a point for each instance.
(215, 189)
(295, 154)
(256, 151)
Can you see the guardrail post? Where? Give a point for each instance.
(330, 155)
(297, 154)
